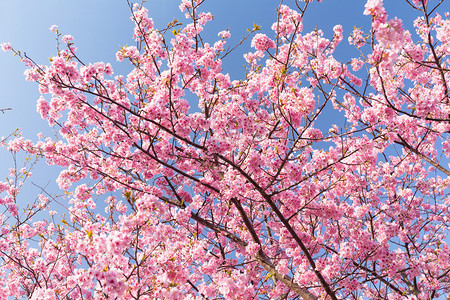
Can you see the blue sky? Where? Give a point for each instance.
(101, 26)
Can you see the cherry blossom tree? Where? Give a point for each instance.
(180, 182)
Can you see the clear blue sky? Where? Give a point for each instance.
(101, 26)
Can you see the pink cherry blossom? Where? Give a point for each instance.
(6, 47)
(315, 175)
(261, 42)
(67, 38)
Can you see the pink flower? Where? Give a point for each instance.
(224, 34)
(67, 38)
(261, 42)
(54, 28)
(356, 64)
(119, 55)
(132, 52)
(204, 17)
(185, 5)
(374, 7)
(108, 69)
(12, 208)
(43, 107)
(419, 2)
(356, 38)
(6, 46)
